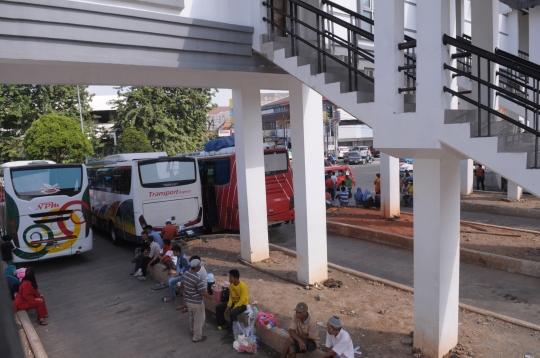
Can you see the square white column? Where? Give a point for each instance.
(436, 255)
(308, 179)
(514, 191)
(467, 177)
(389, 186)
(250, 172)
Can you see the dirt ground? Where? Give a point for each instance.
(504, 242)
(527, 201)
(379, 318)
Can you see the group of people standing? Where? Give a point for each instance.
(341, 192)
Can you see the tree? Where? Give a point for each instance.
(133, 140)
(174, 119)
(57, 138)
(21, 105)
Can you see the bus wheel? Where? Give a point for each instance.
(114, 237)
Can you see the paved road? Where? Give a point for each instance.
(97, 310)
(499, 291)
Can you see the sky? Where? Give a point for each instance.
(221, 99)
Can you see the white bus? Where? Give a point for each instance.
(130, 191)
(45, 208)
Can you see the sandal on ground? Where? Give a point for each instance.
(42, 323)
(185, 310)
(203, 338)
(47, 316)
(159, 287)
(167, 299)
(221, 328)
(178, 308)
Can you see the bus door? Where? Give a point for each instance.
(125, 221)
(209, 192)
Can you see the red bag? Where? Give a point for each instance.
(266, 319)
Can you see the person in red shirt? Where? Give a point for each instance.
(29, 297)
(169, 231)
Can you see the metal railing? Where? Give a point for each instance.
(324, 37)
(488, 84)
(409, 67)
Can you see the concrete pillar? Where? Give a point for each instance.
(466, 177)
(485, 34)
(534, 28)
(389, 186)
(250, 172)
(308, 179)
(514, 191)
(436, 255)
(389, 57)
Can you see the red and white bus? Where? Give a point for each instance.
(219, 188)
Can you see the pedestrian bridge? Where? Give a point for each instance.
(434, 97)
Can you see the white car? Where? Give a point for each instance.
(362, 150)
(342, 150)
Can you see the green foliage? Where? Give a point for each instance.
(174, 119)
(57, 138)
(21, 105)
(133, 140)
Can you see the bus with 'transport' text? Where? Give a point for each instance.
(45, 209)
(132, 190)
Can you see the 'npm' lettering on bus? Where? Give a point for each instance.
(168, 193)
(49, 205)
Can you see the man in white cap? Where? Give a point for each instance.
(194, 291)
(338, 341)
(169, 231)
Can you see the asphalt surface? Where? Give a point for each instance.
(97, 310)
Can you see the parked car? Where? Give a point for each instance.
(354, 158)
(342, 151)
(362, 150)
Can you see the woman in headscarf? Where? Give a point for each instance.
(12, 280)
(30, 298)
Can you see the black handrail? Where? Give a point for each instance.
(320, 14)
(349, 12)
(517, 59)
(465, 45)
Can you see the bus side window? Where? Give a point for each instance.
(222, 171)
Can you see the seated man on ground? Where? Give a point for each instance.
(166, 256)
(202, 273)
(182, 265)
(194, 291)
(169, 231)
(303, 333)
(140, 252)
(238, 301)
(148, 261)
(338, 341)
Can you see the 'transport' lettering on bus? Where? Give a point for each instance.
(171, 192)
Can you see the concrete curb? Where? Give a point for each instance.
(499, 262)
(500, 210)
(411, 290)
(31, 335)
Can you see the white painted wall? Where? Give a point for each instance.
(232, 11)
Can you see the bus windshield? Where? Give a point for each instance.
(30, 183)
(166, 173)
(275, 163)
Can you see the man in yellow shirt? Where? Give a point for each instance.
(238, 301)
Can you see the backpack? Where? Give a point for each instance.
(225, 295)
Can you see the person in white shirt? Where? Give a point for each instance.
(338, 341)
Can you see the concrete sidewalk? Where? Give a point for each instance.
(509, 294)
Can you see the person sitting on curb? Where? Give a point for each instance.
(141, 252)
(343, 195)
(238, 301)
(194, 291)
(157, 237)
(338, 341)
(182, 265)
(29, 297)
(303, 333)
(166, 256)
(148, 261)
(358, 196)
(204, 276)
(169, 231)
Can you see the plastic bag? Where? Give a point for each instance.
(266, 319)
(246, 344)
